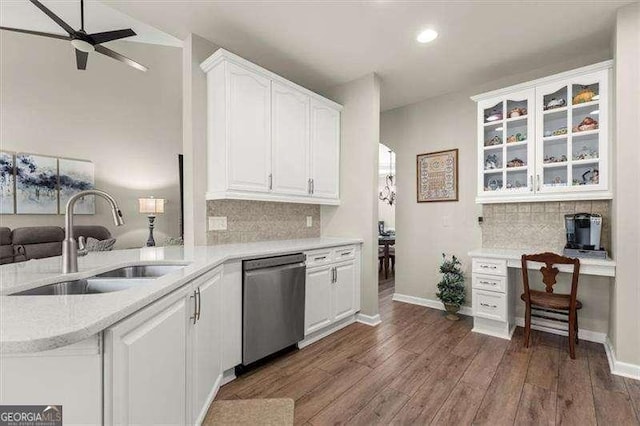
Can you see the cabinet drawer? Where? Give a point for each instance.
(490, 305)
(319, 257)
(489, 282)
(490, 266)
(344, 253)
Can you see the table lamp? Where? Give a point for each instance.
(151, 207)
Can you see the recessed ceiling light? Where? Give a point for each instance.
(498, 129)
(595, 112)
(426, 36)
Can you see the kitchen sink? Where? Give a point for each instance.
(85, 286)
(106, 282)
(140, 271)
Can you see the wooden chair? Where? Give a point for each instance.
(549, 302)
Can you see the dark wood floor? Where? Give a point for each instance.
(419, 368)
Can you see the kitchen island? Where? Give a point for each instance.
(114, 357)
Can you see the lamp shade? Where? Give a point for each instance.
(151, 205)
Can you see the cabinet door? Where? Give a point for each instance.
(572, 142)
(206, 344)
(325, 150)
(231, 315)
(318, 296)
(249, 130)
(506, 145)
(290, 140)
(344, 290)
(146, 365)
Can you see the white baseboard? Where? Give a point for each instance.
(371, 320)
(320, 334)
(429, 303)
(591, 336)
(618, 367)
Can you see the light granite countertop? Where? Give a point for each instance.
(38, 323)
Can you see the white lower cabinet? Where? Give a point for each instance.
(146, 364)
(318, 295)
(344, 290)
(206, 344)
(232, 315)
(332, 287)
(162, 365)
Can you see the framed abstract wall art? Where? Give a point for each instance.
(437, 176)
(39, 184)
(75, 176)
(36, 184)
(7, 183)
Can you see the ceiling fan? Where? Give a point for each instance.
(82, 42)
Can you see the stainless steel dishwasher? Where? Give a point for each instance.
(273, 305)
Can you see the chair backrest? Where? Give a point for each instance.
(550, 272)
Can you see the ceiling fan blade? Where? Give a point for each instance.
(38, 33)
(81, 59)
(53, 16)
(115, 55)
(106, 36)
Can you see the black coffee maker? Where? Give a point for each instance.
(583, 235)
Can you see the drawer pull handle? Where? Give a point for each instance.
(488, 266)
(320, 258)
(488, 283)
(486, 305)
(346, 254)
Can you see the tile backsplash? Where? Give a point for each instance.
(249, 221)
(537, 226)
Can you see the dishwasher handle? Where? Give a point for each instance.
(273, 269)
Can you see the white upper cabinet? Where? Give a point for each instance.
(506, 154)
(249, 130)
(268, 138)
(325, 151)
(290, 140)
(547, 139)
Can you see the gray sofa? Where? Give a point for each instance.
(36, 242)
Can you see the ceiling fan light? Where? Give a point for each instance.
(83, 46)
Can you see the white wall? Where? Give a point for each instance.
(127, 122)
(194, 91)
(357, 215)
(624, 329)
(425, 230)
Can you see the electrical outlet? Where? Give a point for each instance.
(217, 223)
(309, 221)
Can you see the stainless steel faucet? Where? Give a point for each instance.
(69, 245)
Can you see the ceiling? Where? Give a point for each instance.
(98, 17)
(319, 44)
(322, 43)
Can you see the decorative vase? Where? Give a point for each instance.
(452, 311)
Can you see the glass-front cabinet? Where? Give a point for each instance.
(506, 153)
(546, 140)
(571, 134)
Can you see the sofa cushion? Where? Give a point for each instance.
(36, 242)
(5, 236)
(37, 235)
(24, 252)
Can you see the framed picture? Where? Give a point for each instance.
(36, 184)
(7, 183)
(75, 176)
(437, 174)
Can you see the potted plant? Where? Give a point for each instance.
(451, 287)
